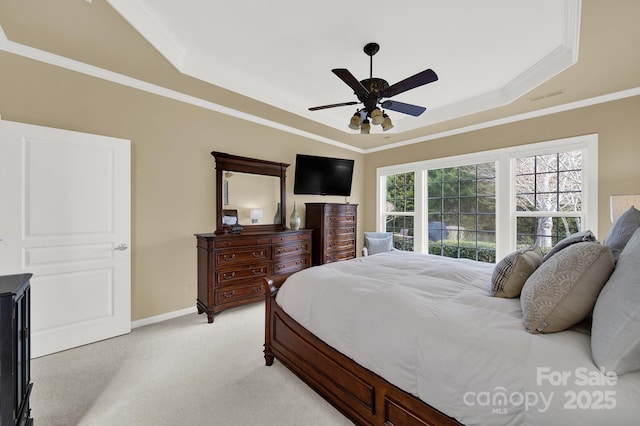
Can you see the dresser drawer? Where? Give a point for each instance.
(340, 233)
(339, 244)
(290, 249)
(240, 292)
(250, 254)
(290, 266)
(242, 242)
(225, 277)
(341, 209)
(339, 220)
(291, 237)
(338, 256)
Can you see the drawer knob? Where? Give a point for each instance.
(228, 257)
(257, 272)
(229, 294)
(257, 289)
(257, 254)
(229, 276)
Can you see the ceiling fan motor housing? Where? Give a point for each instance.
(375, 86)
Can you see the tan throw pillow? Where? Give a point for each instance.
(564, 289)
(512, 271)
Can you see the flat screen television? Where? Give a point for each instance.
(323, 175)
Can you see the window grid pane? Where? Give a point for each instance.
(402, 229)
(400, 192)
(461, 216)
(553, 229)
(548, 183)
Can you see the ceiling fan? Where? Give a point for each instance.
(371, 91)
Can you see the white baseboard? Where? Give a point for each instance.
(162, 317)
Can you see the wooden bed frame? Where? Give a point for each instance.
(361, 395)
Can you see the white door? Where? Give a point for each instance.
(65, 214)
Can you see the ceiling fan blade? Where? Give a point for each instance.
(420, 79)
(413, 110)
(351, 81)
(333, 105)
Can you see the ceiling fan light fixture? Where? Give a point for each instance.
(376, 116)
(365, 128)
(386, 123)
(371, 92)
(355, 121)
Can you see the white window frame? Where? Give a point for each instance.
(505, 159)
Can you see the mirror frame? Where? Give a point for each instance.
(234, 163)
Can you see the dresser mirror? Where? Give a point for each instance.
(254, 189)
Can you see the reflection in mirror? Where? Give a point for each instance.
(246, 192)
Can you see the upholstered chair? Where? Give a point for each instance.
(377, 242)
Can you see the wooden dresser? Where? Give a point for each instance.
(15, 356)
(334, 231)
(231, 268)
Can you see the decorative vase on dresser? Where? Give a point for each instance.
(232, 267)
(334, 231)
(294, 220)
(15, 350)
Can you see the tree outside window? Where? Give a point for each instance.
(462, 212)
(548, 198)
(400, 208)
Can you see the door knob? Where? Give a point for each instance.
(121, 247)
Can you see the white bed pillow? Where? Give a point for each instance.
(615, 333)
(512, 271)
(564, 289)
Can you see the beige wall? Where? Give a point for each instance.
(616, 124)
(172, 169)
(173, 175)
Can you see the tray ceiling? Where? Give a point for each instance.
(486, 54)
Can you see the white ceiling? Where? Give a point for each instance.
(486, 53)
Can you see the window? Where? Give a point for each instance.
(399, 209)
(484, 205)
(548, 198)
(461, 212)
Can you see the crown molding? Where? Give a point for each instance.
(81, 67)
(139, 16)
(515, 118)
(101, 73)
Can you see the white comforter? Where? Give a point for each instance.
(429, 325)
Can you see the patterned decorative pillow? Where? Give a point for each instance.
(564, 289)
(622, 231)
(578, 237)
(615, 333)
(512, 271)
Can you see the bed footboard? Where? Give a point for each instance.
(358, 393)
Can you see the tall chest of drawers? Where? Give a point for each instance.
(231, 268)
(334, 231)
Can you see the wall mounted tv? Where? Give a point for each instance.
(323, 176)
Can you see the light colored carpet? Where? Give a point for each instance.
(177, 372)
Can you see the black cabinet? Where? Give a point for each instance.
(15, 350)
